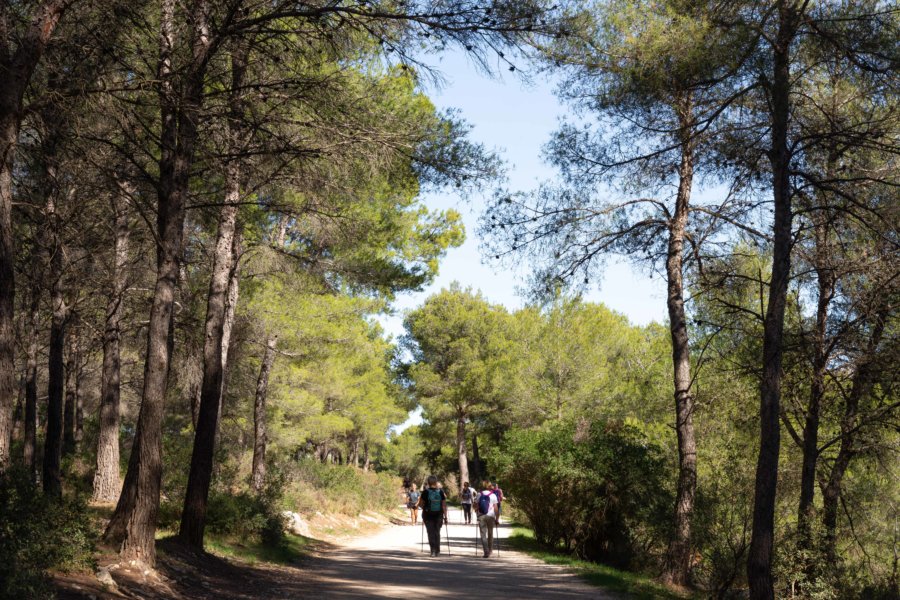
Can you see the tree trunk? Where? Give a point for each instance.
(476, 463)
(366, 462)
(826, 284)
(69, 408)
(863, 381)
(259, 415)
(461, 453)
(17, 68)
(678, 557)
(107, 482)
(19, 414)
(79, 402)
(193, 517)
(133, 523)
(31, 412)
(9, 130)
(759, 560)
(53, 442)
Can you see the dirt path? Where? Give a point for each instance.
(388, 564)
(391, 564)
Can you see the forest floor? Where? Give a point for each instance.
(389, 563)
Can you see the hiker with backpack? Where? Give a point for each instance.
(499, 494)
(412, 503)
(487, 517)
(433, 503)
(465, 498)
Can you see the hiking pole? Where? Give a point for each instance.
(422, 539)
(476, 539)
(448, 538)
(497, 526)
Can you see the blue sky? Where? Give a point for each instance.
(514, 119)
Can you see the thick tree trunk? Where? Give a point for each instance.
(107, 482)
(133, 523)
(9, 133)
(53, 442)
(461, 453)
(863, 381)
(759, 560)
(17, 68)
(259, 415)
(69, 407)
(218, 329)
(678, 557)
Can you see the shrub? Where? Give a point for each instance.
(598, 489)
(38, 533)
(315, 486)
(247, 514)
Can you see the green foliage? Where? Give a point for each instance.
(318, 487)
(248, 515)
(634, 585)
(38, 533)
(598, 489)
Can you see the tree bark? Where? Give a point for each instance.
(17, 67)
(759, 560)
(69, 408)
(678, 557)
(259, 415)
(461, 453)
(476, 462)
(366, 459)
(107, 481)
(133, 523)
(53, 442)
(31, 412)
(193, 517)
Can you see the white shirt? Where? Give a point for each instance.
(493, 502)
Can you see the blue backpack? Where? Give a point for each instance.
(484, 503)
(433, 500)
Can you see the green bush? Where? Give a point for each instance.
(38, 533)
(314, 486)
(598, 490)
(248, 515)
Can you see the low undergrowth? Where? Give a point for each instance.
(634, 584)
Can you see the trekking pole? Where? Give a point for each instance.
(448, 538)
(476, 539)
(422, 539)
(497, 525)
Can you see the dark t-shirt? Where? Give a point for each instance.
(425, 503)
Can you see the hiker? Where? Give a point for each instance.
(433, 503)
(465, 497)
(412, 503)
(499, 494)
(487, 517)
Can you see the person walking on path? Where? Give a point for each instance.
(412, 503)
(465, 497)
(487, 517)
(433, 503)
(499, 494)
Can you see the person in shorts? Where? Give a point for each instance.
(466, 496)
(412, 503)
